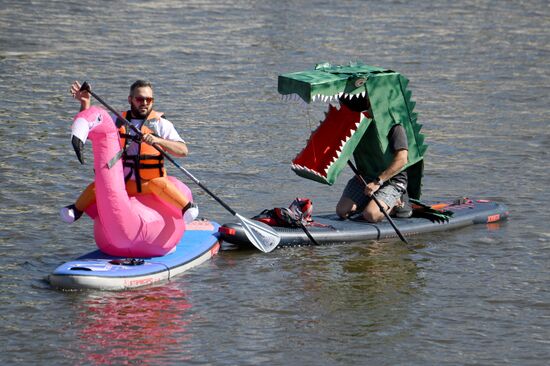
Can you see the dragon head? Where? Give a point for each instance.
(327, 82)
(368, 96)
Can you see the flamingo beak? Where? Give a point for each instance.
(80, 130)
(78, 147)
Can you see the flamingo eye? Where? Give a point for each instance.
(96, 122)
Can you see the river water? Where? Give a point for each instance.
(480, 75)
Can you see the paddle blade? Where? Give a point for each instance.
(261, 235)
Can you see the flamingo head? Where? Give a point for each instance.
(92, 120)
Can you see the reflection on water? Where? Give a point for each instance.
(343, 280)
(134, 327)
(382, 281)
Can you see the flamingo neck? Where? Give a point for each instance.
(110, 186)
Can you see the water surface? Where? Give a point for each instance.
(479, 73)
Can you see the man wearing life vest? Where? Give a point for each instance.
(143, 165)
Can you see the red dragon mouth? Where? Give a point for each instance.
(327, 143)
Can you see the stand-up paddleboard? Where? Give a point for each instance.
(100, 271)
(329, 228)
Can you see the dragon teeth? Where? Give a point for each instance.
(301, 167)
(323, 98)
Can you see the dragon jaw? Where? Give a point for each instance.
(330, 145)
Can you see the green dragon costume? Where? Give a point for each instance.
(345, 132)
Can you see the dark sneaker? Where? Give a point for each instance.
(190, 212)
(404, 210)
(70, 214)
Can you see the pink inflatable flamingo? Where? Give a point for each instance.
(140, 226)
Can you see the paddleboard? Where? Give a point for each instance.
(99, 271)
(329, 228)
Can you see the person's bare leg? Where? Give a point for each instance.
(372, 212)
(345, 207)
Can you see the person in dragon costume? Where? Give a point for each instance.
(375, 124)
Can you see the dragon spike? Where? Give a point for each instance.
(420, 139)
(404, 82)
(423, 149)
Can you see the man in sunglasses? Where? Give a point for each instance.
(143, 165)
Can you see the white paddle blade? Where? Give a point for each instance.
(261, 235)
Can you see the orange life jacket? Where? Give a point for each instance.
(149, 163)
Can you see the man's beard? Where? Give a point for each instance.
(137, 114)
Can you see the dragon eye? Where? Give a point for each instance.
(359, 82)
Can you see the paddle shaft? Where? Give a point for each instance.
(86, 87)
(392, 223)
(187, 173)
(308, 234)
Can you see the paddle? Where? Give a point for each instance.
(308, 234)
(378, 204)
(261, 235)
